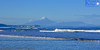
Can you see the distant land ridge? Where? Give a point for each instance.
(43, 21)
(49, 23)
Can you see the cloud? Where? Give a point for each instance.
(8, 18)
(91, 19)
(91, 16)
(30, 20)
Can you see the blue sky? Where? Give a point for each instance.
(21, 11)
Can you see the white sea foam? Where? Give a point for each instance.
(69, 30)
(1, 30)
(33, 37)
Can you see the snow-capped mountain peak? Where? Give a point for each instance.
(44, 18)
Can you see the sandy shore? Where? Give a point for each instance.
(77, 39)
(1, 30)
(33, 37)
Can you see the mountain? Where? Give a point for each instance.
(71, 24)
(74, 23)
(43, 21)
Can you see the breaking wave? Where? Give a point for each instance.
(69, 30)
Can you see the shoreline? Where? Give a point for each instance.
(32, 37)
(76, 39)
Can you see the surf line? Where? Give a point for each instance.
(77, 39)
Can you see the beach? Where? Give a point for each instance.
(46, 44)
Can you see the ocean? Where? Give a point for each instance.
(44, 44)
(23, 43)
(82, 35)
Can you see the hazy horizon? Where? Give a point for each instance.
(23, 11)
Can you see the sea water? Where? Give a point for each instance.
(43, 44)
(50, 44)
(83, 35)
